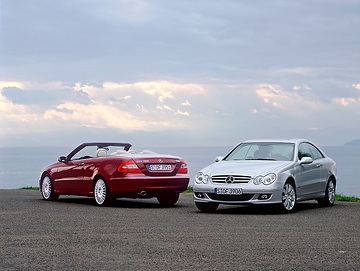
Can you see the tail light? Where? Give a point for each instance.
(129, 166)
(183, 168)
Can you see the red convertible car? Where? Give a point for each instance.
(107, 171)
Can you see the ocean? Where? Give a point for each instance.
(21, 166)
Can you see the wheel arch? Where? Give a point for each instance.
(332, 177)
(291, 180)
(42, 176)
(107, 198)
(98, 176)
(51, 193)
(44, 173)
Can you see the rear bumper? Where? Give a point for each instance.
(132, 186)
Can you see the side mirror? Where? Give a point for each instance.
(306, 160)
(218, 158)
(62, 159)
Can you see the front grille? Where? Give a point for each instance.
(243, 197)
(236, 178)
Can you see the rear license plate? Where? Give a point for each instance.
(159, 167)
(228, 191)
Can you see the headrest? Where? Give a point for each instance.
(101, 152)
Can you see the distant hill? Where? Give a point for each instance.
(353, 143)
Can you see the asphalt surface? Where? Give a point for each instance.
(74, 234)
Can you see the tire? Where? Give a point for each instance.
(288, 199)
(207, 207)
(47, 188)
(329, 198)
(102, 194)
(168, 200)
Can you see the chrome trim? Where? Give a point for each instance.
(230, 179)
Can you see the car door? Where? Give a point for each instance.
(309, 174)
(96, 157)
(319, 160)
(88, 173)
(69, 176)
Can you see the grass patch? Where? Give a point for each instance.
(340, 197)
(30, 188)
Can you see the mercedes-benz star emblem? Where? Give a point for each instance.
(229, 179)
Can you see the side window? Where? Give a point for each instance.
(304, 151)
(85, 153)
(316, 153)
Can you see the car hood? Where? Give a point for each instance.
(246, 167)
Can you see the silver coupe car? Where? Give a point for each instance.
(279, 172)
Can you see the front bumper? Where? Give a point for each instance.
(263, 195)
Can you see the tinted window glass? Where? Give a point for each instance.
(308, 150)
(304, 151)
(315, 152)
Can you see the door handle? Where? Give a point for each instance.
(318, 165)
(82, 164)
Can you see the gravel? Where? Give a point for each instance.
(74, 234)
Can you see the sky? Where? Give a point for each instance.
(179, 73)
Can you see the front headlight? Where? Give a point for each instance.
(267, 179)
(201, 178)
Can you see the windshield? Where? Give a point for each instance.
(262, 151)
(94, 150)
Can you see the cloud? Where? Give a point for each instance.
(275, 96)
(44, 97)
(183, 113)
(357, 86)
(161, 90)
(102, 116)
(126, 107)
(134, 11)
(307, 71)
(346, 101)
(222, 71)
(186, 103)
(352, 101)
(301, 87)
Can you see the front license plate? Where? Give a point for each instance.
(228, 191)
(159, 167)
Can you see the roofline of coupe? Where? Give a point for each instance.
(294, 140)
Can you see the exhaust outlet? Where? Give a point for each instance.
(142, 193)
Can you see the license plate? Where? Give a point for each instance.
(228, 191)
(159, 167)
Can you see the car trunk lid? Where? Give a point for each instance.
(163, 165)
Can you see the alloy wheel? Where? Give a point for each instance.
(100, 192)
(288, 197)
(331, 192)
(46, 187)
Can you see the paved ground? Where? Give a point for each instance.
(74, 234)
